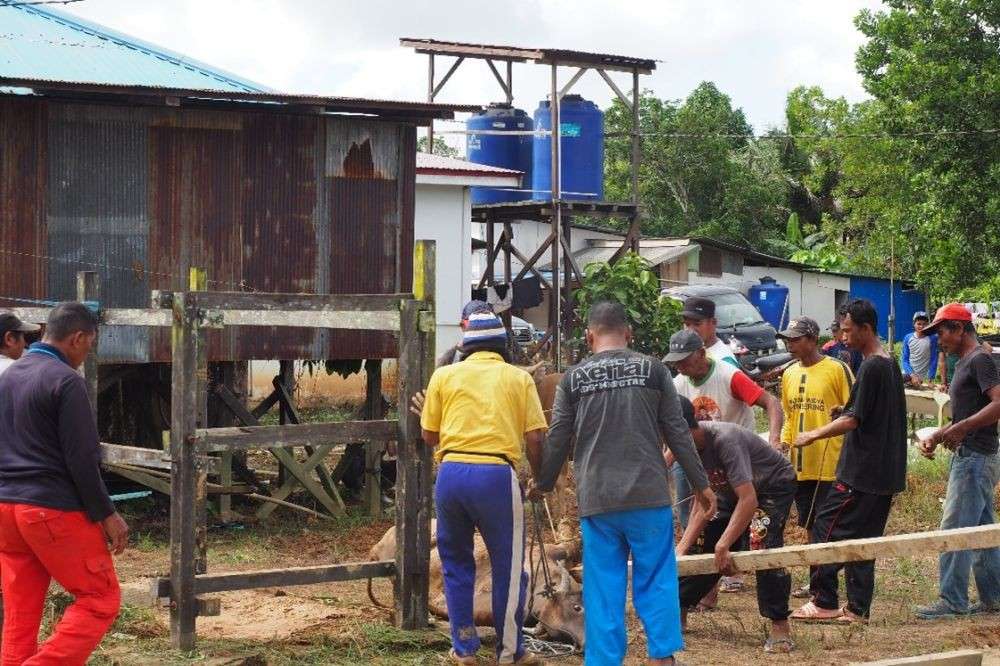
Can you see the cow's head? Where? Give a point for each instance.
(562, 613)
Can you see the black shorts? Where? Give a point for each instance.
(805, 506)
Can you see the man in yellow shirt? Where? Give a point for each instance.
(478, 413)
(811, 390)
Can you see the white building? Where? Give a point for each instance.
(444, 214)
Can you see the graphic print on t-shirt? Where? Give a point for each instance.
(610, 373)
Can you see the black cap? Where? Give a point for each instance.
(697, 307)
(683, 343)
(687, 409)
(799, 327)
(10, 322)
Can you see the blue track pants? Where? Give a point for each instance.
(488, 498)
(608, 538)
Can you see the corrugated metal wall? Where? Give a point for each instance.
(265, 202)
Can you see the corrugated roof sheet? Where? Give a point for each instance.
(428, 163)
(603, 253)
(43, 43)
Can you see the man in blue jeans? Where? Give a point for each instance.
(975, 467)
(619, 405)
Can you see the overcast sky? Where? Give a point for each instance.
(754, 51)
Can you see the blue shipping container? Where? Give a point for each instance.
(907, 302)
(582, 145)
(509, 152)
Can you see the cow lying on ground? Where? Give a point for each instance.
(558, 616)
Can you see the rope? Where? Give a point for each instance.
(549, 648)
(137, 269)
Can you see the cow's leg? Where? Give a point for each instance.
(453, 489)
(501, 521)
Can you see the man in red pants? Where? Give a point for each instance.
(56, 517)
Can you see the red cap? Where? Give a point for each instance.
(949, 312)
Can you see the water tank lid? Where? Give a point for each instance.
(767, 279)
(568, 99)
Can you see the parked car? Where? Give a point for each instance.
(524, 332)
(740, 324)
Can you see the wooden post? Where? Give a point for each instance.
(188, 479)
(286, 375)
(413, 475)
(88, 288)
(374, 409)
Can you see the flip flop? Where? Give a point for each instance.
(730, 585)
(850, 617)
(810, 612)
(779, 645)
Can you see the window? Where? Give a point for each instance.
(710, 262)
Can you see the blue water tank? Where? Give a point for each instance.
(582, 146)
(509, 152)
(771, 300)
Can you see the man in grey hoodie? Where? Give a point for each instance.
(619, 406)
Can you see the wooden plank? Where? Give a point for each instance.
(533, 259)
(88, 288)
(120, 454)
(852, 550)
(954, 658)
(292, 414)
(32, 315)
(304, 476)
(136, 317)
(239, 300)
(145, 478)
(249, 580)
(188, 474)
(413, 472)
(374, 409)
(338, 319)
(280, 436)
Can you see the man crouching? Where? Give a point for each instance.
(755, 485)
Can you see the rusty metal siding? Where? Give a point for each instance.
(195, 212)
(97, 190)
(23, 234)
(264, 202)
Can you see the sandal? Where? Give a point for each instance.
(802, 593)
(810, 612)
(702, 607)
(730, 585)
(779, 645)
(848, 616)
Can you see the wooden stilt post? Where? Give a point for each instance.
(188, 475)
(374, 409)
(88, 289)
(413, 476)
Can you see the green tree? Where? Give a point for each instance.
(933, 67)
(702, 171)
(440, 147)
(632, 282)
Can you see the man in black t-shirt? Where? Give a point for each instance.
(871, 470)
(975, 466)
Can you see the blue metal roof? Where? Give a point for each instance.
(43, 43)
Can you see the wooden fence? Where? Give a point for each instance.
(189, 314)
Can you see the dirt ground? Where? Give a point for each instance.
(338, 624)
